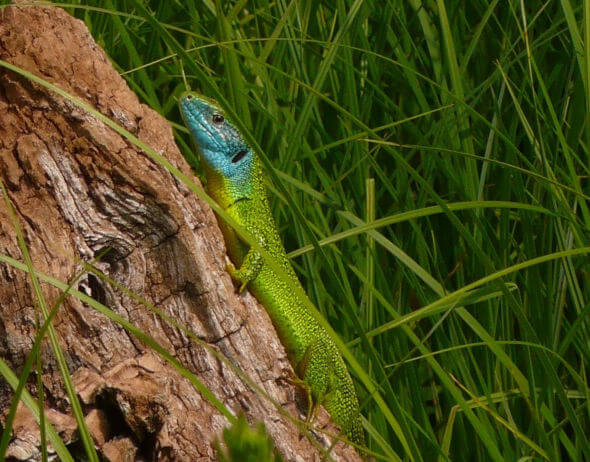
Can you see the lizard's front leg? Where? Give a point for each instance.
(248, 271)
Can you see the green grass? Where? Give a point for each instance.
(429, 170)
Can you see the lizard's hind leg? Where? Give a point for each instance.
(315, 370)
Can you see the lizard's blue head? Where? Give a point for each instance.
(222, 146)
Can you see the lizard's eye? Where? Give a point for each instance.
(218, 119)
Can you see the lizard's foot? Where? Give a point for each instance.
(312, 406)
(237, 276)
(291, 378)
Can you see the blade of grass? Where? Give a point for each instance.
(436, 306)
(87, 441)
(29, 401)
(34, 353)
(411, 215)
(129, 327)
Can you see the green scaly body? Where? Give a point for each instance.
(310, 349)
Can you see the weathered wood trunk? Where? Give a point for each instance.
(78, 188)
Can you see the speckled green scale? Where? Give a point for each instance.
(237, 186)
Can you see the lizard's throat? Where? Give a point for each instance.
(226, 191)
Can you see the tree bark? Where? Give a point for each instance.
(78, 187)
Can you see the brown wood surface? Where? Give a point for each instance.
(78, 187)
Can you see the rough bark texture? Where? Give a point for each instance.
(79, 187)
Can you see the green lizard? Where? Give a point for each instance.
(235, 180)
